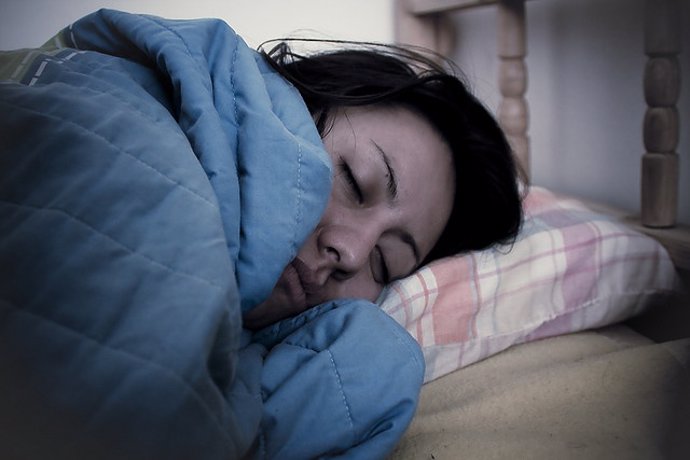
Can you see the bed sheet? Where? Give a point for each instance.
(610, 393)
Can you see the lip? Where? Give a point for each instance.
(298, 282)
(306, 275)
(292, 287)
(290, 296)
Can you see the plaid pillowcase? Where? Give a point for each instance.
(570, 269)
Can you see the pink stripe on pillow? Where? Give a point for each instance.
(457, 298)
(583, 261)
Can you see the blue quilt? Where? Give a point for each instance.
(155, 178)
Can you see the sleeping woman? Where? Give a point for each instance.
(416, 158)
(192, 236)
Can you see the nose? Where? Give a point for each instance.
(345, 250)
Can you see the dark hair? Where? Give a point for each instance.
(487, 207)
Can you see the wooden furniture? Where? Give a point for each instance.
(426, 23)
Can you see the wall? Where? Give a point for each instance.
(585, 62)
(29, 23)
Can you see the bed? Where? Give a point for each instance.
(575, 342)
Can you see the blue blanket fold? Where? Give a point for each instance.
(140, 161)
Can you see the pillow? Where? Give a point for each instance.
(570, 269)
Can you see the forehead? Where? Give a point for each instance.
(418, 155)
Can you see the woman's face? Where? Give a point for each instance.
(391, 198)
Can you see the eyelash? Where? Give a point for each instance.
(384, 268)
(352, 182)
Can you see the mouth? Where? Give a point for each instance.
(292, 286)
(292, 295)
(299, 284)
(306, 276)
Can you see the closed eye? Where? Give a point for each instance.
(384, 273)
(351, 181)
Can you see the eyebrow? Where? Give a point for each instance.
(392, 192)
(392, 179)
